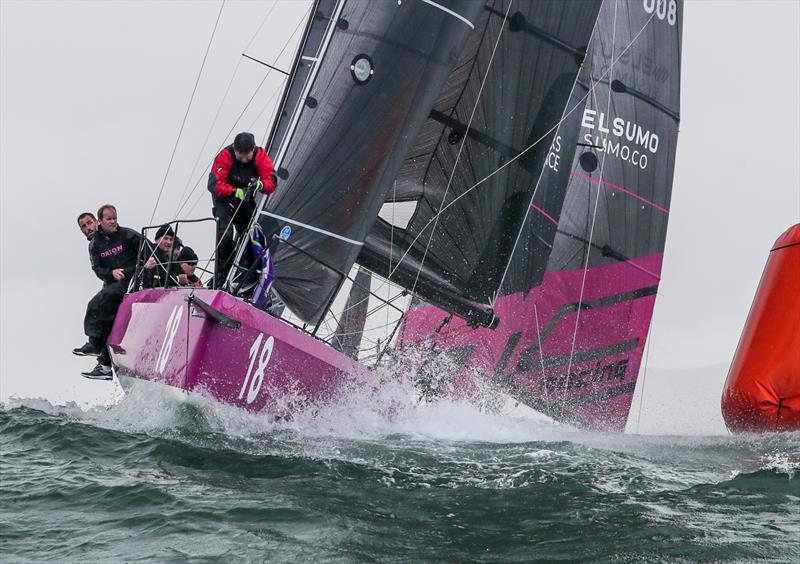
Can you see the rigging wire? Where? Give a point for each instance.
(263, 109)
(391, 242)
(541, 352)
(236, 122)
(644, 375)
(594, 218)
(188, 107)
(221, 104)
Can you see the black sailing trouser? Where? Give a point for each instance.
(230, 215)
(100, 314)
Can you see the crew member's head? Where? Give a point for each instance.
(165, 237)
(244, 147)
(88, 224)
(107, 218)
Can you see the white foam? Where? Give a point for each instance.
(370, 407)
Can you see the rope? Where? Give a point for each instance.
(186, 115)
(235, 123)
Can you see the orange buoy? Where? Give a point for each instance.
(762, 392)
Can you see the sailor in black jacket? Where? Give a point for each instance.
(113, 253)
(170, 252)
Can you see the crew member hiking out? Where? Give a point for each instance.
(237, 167)
(88, 225)
(113, 253)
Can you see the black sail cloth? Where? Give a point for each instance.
(618, 197)
(352, 135)
(603, 269)
(476, 163)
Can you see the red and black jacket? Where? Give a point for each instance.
(228, 174)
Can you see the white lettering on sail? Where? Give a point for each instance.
(263, 361)
(664, 9)
(619, 150)
(588, 118)
(553, 157)
(170, 331)
(620, 127)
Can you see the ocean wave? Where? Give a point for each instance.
(166, 480)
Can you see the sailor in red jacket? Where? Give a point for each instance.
(236, 167)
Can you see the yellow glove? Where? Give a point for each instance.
(239, 193)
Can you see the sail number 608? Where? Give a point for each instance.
(263, 353)
(664, 9)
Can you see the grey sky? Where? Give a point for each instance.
(93, 94)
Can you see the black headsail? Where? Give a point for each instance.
(371, 84)
(485, 150)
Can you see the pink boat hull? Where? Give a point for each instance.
(577, 364)
(160, 337)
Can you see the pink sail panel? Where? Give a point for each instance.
(586, 367)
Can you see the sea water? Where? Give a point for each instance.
(380, 477)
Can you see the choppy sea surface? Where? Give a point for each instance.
(151, 478)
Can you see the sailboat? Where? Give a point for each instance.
(504, 166)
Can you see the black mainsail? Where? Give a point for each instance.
(478, 159)
(576, 299)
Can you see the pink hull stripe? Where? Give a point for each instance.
(621, 189)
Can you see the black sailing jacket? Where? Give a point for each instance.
(154, 277)
(118, 250)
